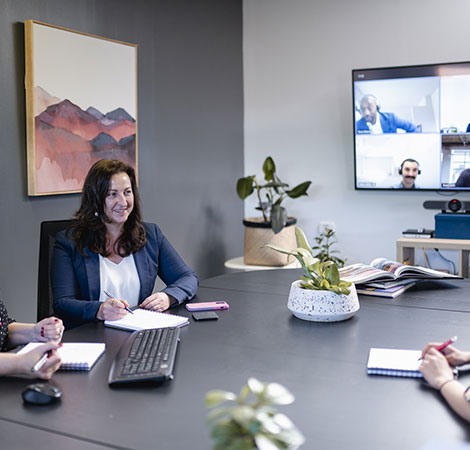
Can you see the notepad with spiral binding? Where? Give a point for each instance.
(144, 319)
(394, 362)
(75, 355)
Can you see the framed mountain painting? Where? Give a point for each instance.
(81, 105)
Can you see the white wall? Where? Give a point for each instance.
(298, 57)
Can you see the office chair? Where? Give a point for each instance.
(49, 229)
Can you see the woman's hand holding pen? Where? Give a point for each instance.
(49, 329)
(112, 309)
(454, 356)
(435, 367)
(28, 361)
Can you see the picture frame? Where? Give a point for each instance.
(81, 105)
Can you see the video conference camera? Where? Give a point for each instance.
(452, 206)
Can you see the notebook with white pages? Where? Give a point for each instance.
(75, 355)
(143, 319)
(394, 362)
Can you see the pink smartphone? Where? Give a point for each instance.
(207, 306)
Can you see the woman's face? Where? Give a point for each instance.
(119, 200)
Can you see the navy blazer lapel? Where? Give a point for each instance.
(92, 267)
(142, 265)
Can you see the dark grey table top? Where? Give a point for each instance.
(337, 405)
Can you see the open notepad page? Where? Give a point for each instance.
(143, 319)
(75, 355)
(394, 362)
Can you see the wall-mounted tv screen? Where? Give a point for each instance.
(412, 127)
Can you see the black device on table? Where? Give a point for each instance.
(146, 356)
(41, 394)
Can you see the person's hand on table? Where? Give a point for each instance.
(160, 301)
(454, 356)
(435, 368)
(26, 361)
(49, 329)
(112, 309)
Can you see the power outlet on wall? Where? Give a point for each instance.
(324, 225)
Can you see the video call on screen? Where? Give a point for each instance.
(416, 113)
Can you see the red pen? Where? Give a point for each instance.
(445, 344)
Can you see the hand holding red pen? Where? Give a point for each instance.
(453, 356)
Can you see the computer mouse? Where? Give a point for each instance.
(41, 394)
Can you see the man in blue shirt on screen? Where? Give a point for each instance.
(374, 121)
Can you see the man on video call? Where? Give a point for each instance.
(374, 121)
(409, 170)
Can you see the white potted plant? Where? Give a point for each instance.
(319, 295)
(275, 226)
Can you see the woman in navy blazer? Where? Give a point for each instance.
(108, 229)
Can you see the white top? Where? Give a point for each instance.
(120, 280)
(377, 127)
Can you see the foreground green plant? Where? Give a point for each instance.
(321, 276)
(324, 243)
(252, 422)
(276, 192)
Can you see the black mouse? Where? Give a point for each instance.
(41, 394)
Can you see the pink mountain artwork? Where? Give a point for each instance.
(69, 140)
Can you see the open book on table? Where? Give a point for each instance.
(382, 270)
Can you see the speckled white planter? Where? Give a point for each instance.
(321, 306)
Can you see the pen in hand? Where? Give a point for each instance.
(40, 363)
(112, 296)
(445, 344)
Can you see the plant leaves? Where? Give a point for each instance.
(218, 414)
(245, 187)
(216, 397)
(279, 249)
(301, 239)
(306, 256)
(278, 218)
(278, 394)
(332, 274)
(269, 168)
(264, 443)
(299, 190)
(256, 386)
(244, 415)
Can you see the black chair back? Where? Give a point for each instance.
(49, 229)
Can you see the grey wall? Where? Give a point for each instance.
(298, 57)
(190, 129)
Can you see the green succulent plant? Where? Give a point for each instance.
(322, 276)
(252, 422)
(276, 193)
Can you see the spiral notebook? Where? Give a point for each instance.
(75, 355)
(394, 362)
(143, 319)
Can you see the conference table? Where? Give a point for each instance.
(337, 405)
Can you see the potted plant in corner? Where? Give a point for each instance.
(319, 295)
(252, 421)
(274, 227)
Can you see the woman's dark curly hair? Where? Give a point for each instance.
(89, 228)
